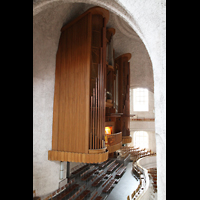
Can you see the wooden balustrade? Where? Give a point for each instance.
(114, 142)
(114, 138)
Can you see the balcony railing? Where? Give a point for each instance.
(113, 139)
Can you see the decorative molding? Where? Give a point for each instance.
(114, 148)
(126, 139)
(77, 157)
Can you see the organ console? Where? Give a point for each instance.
(90, 86)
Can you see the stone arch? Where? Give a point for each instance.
(114, 6)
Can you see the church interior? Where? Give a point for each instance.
(93, 107)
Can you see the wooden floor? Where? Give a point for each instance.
(120, 187)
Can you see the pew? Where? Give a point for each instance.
(153, 175)
(111, 168)
(80, 170)
(108, 186)
(102, 165)
(88, 175)
(98, 181)
(120, 172)
(83, 195)
(66, 192)
(99, 198)
(93, 196)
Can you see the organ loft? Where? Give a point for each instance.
(91, 114)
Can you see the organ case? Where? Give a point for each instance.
(80, 90)
(123, 123)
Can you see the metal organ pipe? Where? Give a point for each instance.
(97, 110)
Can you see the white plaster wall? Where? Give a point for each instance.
(45, 173)
(46, 34)
(148, 20)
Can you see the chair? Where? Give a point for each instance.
(133, 194)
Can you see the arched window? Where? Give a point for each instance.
(140, 139)
(140, 99)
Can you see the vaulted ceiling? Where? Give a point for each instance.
(49, 22)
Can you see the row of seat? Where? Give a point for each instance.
(83, 195)
(67, 192)
(109, 186)
(120, 172)
(59, 190)
(82, 188)
(103, 165)
(98, 175)
(79, 170)
(136, 173)
(153, 175)
(88, 175)
(94, 197)
(99, 198)
(136, 192)
(72, 190)
(112, 167)
(136, 153)
(98, 180)
(85, 172)
(110, 164)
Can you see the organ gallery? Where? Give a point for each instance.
(91, 92)
(96, 153)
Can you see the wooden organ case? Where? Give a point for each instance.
(123, 123)
(118, 102)
(78, 133)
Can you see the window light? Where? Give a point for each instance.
(140, 99)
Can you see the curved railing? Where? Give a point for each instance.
(113, 142)
(113, 139)
(142, 165)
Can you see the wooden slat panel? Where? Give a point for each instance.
(62, 155)
(71, 117)
(49, 155)
(72, 86)
(78, 157)
(66, 156)
(56, 98)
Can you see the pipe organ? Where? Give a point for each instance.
(88, 89)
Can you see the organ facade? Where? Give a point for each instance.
(91, 113)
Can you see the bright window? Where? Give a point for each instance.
(140, 99)
(140, 139)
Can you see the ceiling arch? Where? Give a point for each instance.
(50, 16)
